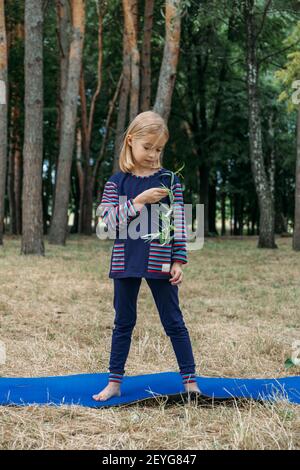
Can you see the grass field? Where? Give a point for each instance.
(240, 304)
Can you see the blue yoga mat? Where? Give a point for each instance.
(78, 389)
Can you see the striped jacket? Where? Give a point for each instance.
(117, 210)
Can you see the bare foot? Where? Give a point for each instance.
(192, 387)
(111, 390)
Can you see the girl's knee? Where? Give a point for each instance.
(124, 327)
(176, 329)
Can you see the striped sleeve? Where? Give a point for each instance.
(179, 251)
(113, 214)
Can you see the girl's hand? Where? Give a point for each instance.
(177, 274)
(150, 196)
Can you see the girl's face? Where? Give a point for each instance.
(147, 150)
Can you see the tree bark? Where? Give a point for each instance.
(64, 40)
(3, 116)
(223, 212)
(15, 157)
(212, 194)
(14, 181)
(296, 234)
(130, 8)
(168, 70)
(32, 212)
(146, 57)
(59, 225)
(262, 185)
(123, 101)
(86, 194)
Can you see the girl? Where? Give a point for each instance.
(134, 258)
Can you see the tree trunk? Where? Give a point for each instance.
(3, 116)
(89, 176)
(204, 174)
(296, 234)
(168, 70)
(10, 173)
(223, 212)
(130, 8)
(231, 213)
(59, 225)
(235, 214)
(100, 158)
(86, 195)
(47, 191)
(15, 163)
(15, 174)
(212, 195)
(124, 93)
(146, 57)
(32, 212)
(64, 26)
(201, 139)
(241, 215)
(262, 185)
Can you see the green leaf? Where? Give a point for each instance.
(289, 363)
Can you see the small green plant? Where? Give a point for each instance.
(294, 360)
(291, 362)
(166, 218)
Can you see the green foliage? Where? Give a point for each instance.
(166, 219)
(208, 120)
(291, 70)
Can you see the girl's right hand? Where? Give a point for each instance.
(151, 195)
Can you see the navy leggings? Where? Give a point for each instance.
(166, 299)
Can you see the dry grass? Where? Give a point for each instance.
(240, 304)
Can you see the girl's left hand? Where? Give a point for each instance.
(177, 274)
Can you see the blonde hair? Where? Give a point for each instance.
(147, 122)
